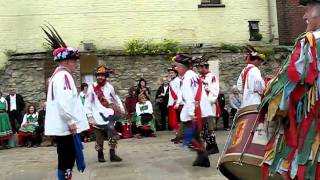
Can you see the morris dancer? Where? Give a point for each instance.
(211, 87)
(250, 82)
(102, 104)
(196, 107)
(64, 118)
(175, 103)
(292, 100)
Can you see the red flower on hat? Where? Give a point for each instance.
(58, 50)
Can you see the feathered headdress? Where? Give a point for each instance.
(60, 49)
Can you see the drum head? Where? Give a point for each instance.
(243, 171)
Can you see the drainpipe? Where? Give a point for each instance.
(270, 20)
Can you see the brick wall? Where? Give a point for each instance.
(290, 21)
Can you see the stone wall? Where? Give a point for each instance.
(28, 72)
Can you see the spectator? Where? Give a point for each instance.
(131, 101)
(143, 89)
(234, 100)
(15, 107)
(224, 112)
(28, 127)
(40, 128)
(84, 91)
(145, 120)
(162, 98)
(87, 135)
(5, 126)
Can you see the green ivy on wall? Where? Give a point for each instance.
(140, 47)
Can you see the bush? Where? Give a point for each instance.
(139, 46)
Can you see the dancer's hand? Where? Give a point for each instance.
(73, 128)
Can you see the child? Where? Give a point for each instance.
(28, 126)
(145, 120)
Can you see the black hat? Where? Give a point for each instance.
(183, 59)
(305, 2)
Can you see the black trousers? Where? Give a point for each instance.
(66, 152)
(15, 120)
(164, 114)
(225, 118)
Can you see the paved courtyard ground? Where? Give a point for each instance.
(143, 159)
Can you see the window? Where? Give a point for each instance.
(210, 4)
(254, 31)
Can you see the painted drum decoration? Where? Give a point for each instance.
(245, 149)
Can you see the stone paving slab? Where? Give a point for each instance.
(143, 159)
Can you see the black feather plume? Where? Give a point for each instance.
(53, 38)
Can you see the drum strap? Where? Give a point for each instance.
(245, 76)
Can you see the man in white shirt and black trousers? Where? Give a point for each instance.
(16, 105)
(65, 117)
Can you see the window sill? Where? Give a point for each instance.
(211, 6)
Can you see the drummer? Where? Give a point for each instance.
(250, 81)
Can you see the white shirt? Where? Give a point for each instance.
(93, 106)
(144, 108)
(252, 88)
(211, 86)
(34, 115)
(189, 88)
(63, 105)
(175, 87)
(165, 88)
(13, 102)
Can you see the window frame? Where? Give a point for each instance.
(211, 4)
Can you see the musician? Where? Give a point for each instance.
(250, 81)
(102, 98)
(196, 107)
(291, 100)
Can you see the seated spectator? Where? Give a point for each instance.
(130, 104)
(234, 100)
(143, 89)
(145, 121)
(28, 127)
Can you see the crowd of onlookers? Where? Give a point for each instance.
(27, 129)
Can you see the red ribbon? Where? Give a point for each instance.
(292, 72)
(197, 105)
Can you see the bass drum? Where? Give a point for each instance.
(245, 147)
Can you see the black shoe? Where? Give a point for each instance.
(101, 157)
(176, 140)
(202, 160)
(212, 148)
(114, 157)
